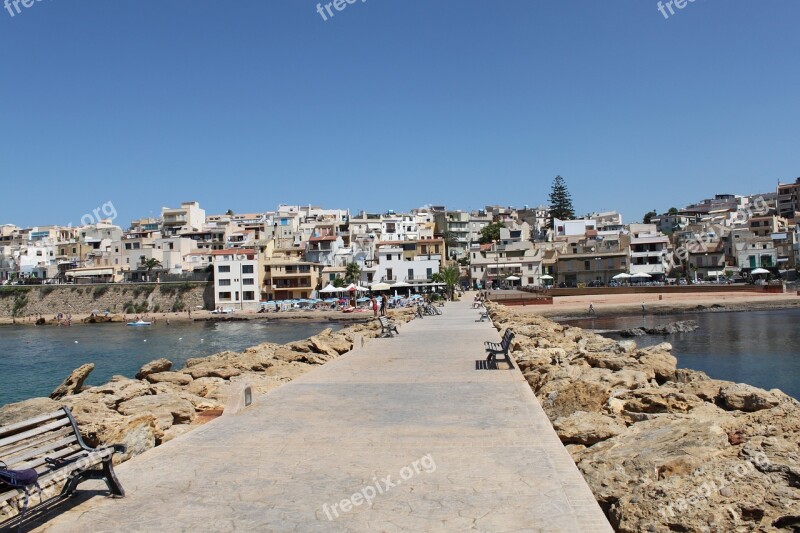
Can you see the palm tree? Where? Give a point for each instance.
(352, 273)
(338, 282)
(449, 275)
(150, 264)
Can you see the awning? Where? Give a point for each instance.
(505, 265)
(90, 272)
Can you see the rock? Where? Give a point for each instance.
(17, 412)
(746, 398)
(626, 346)
(136, 433)
(563, 397)
(586, 429)
(154, 367)
(74, 382)
(176, 378)
(203, 372)
(339, 343)
(168, 409)
(321, 347)
(208, 388)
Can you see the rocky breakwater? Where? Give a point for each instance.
(161, 403)
(663, 449)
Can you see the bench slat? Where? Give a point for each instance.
(34, 432)
(60, 474)
(48, 450)
(14, 428)
(16, 448)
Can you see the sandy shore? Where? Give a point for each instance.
(631, 304)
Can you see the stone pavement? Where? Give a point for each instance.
(407, 423)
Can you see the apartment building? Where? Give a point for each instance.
(236, 278)
(188, 217)
(647, 248)
(788, 200)
(413, 262)
(287, 279)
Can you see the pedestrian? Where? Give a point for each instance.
(591, 308)
(383, 305)
(644, 309)
(374, 307)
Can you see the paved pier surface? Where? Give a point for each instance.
(463, 449)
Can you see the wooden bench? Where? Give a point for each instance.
(387, 327)
(500, 348)
(483, 317)
(52, 445)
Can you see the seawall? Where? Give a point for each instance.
(22, 301)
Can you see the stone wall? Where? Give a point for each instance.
(21, 301)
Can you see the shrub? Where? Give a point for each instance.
(99, 291)
(178, 305)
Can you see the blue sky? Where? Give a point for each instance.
(392, 105)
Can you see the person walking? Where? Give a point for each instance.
(374, 307)
(383, 305)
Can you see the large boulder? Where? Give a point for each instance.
(586, 429)
(175, 378)
(198, 372)
(168, 409)
(74, 382)
(153, 367)
(17, 412)
(118, 390)
(741, 397)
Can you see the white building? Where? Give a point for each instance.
(188, 217)
(647, 249)
(236, 279)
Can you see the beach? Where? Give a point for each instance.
(660, 304)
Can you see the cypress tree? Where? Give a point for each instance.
(560, 202)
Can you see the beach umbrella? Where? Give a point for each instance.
(380, 287)
(760, 271)
(546, 276)
(642, 275)
(622, 276)
(512, 278)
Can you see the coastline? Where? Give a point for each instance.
(78, 319)
(611, 305)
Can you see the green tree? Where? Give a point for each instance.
(491, 232)
(648, 217)
(673, 211)
(560, 202)
(229, 212)
(150, 264)
(449, 275)
(338, 282)
(352, 273)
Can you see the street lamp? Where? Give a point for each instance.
(496, 264)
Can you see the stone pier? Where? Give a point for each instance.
(403, 434)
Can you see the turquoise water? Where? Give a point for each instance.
(35, 360)
(760, 348)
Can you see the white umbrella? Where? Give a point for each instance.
(401, 284)
(546, 276)
(622, 276)
(512, 278)
(380, 287)
(642, 275)
(760, 271)
(362, 289)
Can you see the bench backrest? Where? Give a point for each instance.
(508, 336)
(26, 444)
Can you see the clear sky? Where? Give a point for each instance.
(392, 104)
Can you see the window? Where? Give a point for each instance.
(247, 269)
(224, 296)
(248, 281)
(429, 273)
(410, 273)
(388, 257)
(587, 265)
(224, 283)
(248, 295)
(223, 268)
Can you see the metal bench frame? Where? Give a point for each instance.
(500, 348)
(387, 327)
(53, 446)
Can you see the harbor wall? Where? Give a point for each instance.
(132, 298)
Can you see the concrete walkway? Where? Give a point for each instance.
(407, 423)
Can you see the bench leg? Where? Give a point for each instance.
(111, 479)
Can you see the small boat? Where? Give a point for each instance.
(140, 323)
